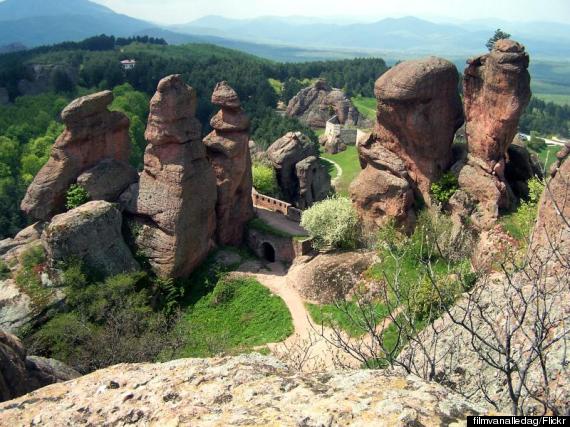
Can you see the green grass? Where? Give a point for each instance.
(548, 156)
(366, 106)
(348, 161)
(331, 169)
(235, 315)
(344, 317)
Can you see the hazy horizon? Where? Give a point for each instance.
(183, 11)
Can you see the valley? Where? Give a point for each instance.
(206, 224)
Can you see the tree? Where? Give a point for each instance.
(499, 35)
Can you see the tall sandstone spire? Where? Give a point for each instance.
(174, 204)
(228, 151)
(496, 92)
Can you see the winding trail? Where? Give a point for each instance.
(309, 340)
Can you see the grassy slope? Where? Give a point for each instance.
(348, 161)
(328, 314)
(251, 316)
(366, 106)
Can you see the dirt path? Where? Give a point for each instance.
(308, 341)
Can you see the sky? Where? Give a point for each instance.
(181, 11)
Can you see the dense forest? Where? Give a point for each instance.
(29, 123)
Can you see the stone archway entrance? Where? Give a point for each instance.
(268, 252)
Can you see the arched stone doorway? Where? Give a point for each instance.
(268, 252)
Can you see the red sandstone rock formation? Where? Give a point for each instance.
(92, 134)
(302, 179)
(317, 104)
(496, 90)
(175, 200)
(228, 151)
(419, 110)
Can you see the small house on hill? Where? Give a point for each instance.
(128, 64)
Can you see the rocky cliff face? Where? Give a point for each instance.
(228, 152)
(302, 179)
(21, 374)
(242, 391)
(419, 110)
(496, 92)
(318, 103)
(174, 202)
(92, 134)
(91, 233)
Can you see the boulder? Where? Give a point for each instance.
(496, 91)
(108, 179)
(380, 196)
(21, 374)
(242, 391)
(228, 152)
(91, 233)
(316, 104)
(92, 134)
(328, 278)
(16, 308)
(333, 145)
(284, 155)
(419, 110)
(174, 203)
(314, 181)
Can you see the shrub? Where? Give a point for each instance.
(106, 323)
(264, 180)
(520, 223)
(76, 196)
(333, 223)
(446, 187)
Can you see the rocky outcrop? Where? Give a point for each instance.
(92, 234)
(21, 374)
(228, 152)
(496, 90)
(174, 203)
(92, 134)
(419, 110)
(551, 237)
(316, 104)
(108, 179)
(240, 391)
(329, 278)
(314, 181)
(302, 179)
(380, 196)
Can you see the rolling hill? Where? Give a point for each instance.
(38, 22)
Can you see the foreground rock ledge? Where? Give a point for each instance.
(248, 390)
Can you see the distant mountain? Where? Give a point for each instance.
(37, 22)
(404, 36)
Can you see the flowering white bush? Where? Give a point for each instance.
(333, 223)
